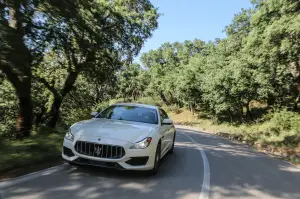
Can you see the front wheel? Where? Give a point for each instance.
(156, 160)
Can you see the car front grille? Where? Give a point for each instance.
(99, 150)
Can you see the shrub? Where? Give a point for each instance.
(281, 128)
(100, 106)
(173, 109)
(118, 100)
(75, 115)
(150, 100)
(8, 109)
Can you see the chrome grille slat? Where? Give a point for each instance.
(111, 151)
(85, 147)
(99, 150)
(94, 150)
(106, 151)
(89, 148)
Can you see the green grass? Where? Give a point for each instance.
(278, 133)
(43, 145)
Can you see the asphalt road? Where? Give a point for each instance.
(230, 171)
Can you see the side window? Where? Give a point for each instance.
(163, 115)
(106, 113)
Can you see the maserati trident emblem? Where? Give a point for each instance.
(97, 150)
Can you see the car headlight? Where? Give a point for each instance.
(142, 144)
(69, 135)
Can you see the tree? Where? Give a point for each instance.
(274, 38)
(16, 24)
(165, 64)
(132, 82)
(30, 28)
(115, 36)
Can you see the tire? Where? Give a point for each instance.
(156, 160)
(172, 148)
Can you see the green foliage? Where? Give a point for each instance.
(53, 44)
(101, 106)
(278, 129)
(77, 58)
(132, 82)
(150, 100)
(286, 121)
(117, 100)
(165, 64)
(42, 146)
(172, 109)
(224, 77)
(274, 43)
(8, 109)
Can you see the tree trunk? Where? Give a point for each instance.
(248, 111)
(163, 97)
(99, 95)
(295, 71)
(59, 97)
(271, 101)
(297, 98)
(230, 115)
(23, 92)
(15, 63)
(172, 98)
(192, 108)
(24, 121)
(54, 113)
(134, 96)
(242, 113)
(40, 116)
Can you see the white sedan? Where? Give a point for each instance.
(123, 136)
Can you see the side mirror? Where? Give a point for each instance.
(93, 114)
(167, 122)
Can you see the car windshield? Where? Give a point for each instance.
(130, 113)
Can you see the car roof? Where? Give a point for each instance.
(137, 105)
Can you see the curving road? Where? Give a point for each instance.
(203, 166)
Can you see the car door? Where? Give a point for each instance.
(165, 129)
(170, 130)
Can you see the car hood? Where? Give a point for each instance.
(114, 129)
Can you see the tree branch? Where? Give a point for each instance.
(47, 85)
(10, 74)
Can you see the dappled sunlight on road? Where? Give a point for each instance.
(237, 171)
(290, 169)
(180, 176)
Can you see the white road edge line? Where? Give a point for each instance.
(31, 176)
(206, 176)
(269, 155)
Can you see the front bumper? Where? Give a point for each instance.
(134, 159)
